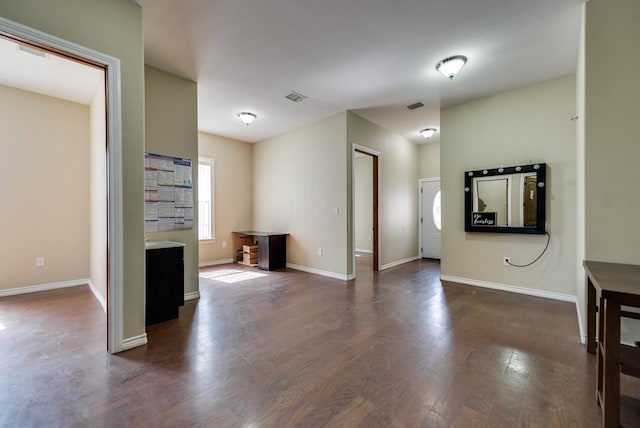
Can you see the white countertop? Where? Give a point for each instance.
(154, 245)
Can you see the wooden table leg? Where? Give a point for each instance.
(591, 317)
(611, 363)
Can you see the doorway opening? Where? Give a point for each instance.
(365, 208)
(108, 135)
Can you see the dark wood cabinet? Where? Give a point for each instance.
(164, 283)
(272, 252)
(272, 248)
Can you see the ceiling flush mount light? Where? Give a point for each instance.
(246, 117)
(449, 67)
(428, 132)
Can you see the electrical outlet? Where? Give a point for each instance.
(224, 244)
(319, 251)
(39, 261)
(506, 260)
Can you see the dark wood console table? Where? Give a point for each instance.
(272, 248)
(617, 285)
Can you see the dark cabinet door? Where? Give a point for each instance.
(164, 284)
(272, 252)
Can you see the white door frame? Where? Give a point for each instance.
(420, 223)
(114, 161)
(364, 149)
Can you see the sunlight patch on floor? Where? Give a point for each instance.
(231, 276)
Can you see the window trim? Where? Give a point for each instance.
(203, 160)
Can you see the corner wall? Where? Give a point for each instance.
(534, 124)
(233, 180)
(171, 128)
(398, 194)
(299, 188)
(44, 148)
(612, 149)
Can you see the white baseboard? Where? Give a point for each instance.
(328, 274)
(511, 288)
(215, 262)
(43, 287)
(191, 296)
(399, 262)
(97, 295)
(134, 342)
(358, 250)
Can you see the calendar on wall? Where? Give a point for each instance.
(168, 193)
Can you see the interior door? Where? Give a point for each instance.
(431, 219)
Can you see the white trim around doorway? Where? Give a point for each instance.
(115, 340)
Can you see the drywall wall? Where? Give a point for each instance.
(113, 28)
(299, 188)
(429, 160)
(171, 128)
(97, 193)
(581, 286)
(398, 194)
(512, 122)
(611, 146)
(233, 193)
(611, 135)
(363, 202)
(43, 167)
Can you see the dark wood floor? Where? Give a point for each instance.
(394, 349)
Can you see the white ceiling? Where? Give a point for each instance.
(374, 57)
(48, 75)
(371, 56)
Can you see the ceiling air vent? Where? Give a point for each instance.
(296, 97)
(415, 105)
(31, 50)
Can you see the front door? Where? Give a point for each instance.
(431, 219)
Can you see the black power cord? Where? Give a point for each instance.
(537, 258)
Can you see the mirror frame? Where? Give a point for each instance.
(541, 177)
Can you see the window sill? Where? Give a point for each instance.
(207, 241)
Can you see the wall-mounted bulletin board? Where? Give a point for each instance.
(168, 193)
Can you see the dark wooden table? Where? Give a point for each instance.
(272, 248)
(617, 285)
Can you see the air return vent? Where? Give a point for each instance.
(31, 50)
(296, 97)
(415, 105)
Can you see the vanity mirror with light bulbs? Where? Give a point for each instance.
(506, 199)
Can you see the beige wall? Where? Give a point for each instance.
(97, 192)
(363, 202)
(398, 197)
(299, 183)
(429, 160)
(233, 181)
(44, 147)
(526, 124)
(171, 128)
(612, 149)
(113, 28)
(581, 291)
